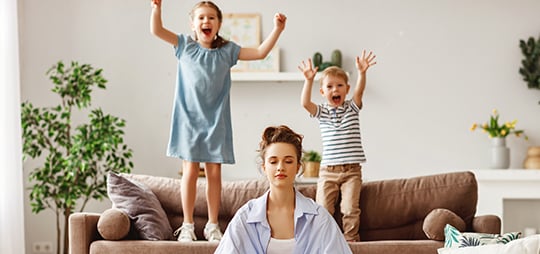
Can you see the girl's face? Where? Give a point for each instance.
(335, 90)
(281, 164)
(205, 24)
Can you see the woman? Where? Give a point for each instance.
(282, 220)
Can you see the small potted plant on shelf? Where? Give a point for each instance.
(312, 163)
(497, 132)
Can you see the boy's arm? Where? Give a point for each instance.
(309, 74)
(362, 65)
(266, 46)
(156, 25)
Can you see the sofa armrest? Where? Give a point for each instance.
(82, 232)
(490, 224)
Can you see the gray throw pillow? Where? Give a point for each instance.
(141, 205)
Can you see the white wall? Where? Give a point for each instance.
(442, 65)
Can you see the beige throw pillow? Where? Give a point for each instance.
(113, 224)
(437, 219)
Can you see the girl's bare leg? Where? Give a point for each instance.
(213, 190)
(190, 173)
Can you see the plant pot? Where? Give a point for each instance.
(311, 168)
(532, 161)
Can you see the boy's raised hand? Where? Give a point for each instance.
(308, 70)
(365, 61)
(279, 21)
(156, 3)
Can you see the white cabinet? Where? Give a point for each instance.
(500, 189)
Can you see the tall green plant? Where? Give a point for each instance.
(76, 158)
(530, 65)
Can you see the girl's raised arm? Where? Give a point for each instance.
(266, 46)
(156, 26)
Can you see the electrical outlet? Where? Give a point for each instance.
(42, 248)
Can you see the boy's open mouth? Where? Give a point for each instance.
(336, 99)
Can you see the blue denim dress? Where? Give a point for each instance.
(201, 129)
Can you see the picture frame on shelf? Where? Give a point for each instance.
(242, 28)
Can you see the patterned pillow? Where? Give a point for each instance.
(456, 239)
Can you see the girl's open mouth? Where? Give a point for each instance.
(207, 31)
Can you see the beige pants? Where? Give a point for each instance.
(347, 180)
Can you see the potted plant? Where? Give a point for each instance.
(530, 65)
(75, 158)
(497, 132)
(312, 163)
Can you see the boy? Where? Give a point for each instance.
(342, 147)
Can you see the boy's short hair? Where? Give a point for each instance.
(334, 71)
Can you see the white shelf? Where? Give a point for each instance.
(507, 174)
(269, 76)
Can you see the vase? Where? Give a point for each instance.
(500, 154)
(533, 158)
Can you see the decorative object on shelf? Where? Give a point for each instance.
(75, 158)
(530, 65)
(242, 28)
(500, 154)
(335, 60)
(532, 161)
(312, 163)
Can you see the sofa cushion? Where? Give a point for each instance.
(113, 224)
(141, 205)
(456, 239)
(437, 219)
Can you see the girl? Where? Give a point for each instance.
(282, 220)
(201, 129)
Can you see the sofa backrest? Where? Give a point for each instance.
(395, 209)
(391, 209)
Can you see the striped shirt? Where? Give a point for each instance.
(340, 132)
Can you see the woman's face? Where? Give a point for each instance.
(280, 164)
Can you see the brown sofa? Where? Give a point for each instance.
(398, 216)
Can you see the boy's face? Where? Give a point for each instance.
(334, 89)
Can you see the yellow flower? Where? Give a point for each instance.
(494, 128)
(513, 123)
